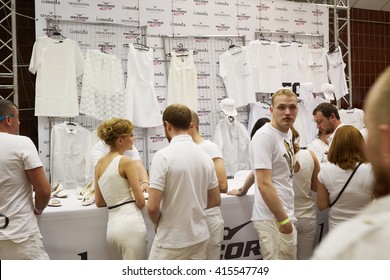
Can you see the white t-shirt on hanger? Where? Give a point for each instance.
(238, 73)
(318, 68)
(57, 65)
(336, 73)
(268, 63)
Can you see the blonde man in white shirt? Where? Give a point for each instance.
(272, 161)
(215, 220)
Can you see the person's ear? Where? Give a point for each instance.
(384, 134)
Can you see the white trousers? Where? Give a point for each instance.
(275, 245)
(194, 252)
(126, 232)
(215, 224)
(306, 228)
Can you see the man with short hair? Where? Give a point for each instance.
(215, 220)
(272, 161)
(21, 173)
(327, 118)
(366, 235)
(183, 184)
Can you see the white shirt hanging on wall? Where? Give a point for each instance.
(102, 93)
(238, 72)
(289, 54)
(268, 63)
(354, 117)
(318, 68)
(336, 73)
(233, 139)
(256, 111)
(57, 65)
(143, 109)
(70, 150)
(303, 63)
(182, 81)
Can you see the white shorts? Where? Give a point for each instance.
(30, 249)
(275, 245)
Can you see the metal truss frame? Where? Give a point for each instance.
(8, 52)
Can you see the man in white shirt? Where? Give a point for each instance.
(366, 235)
(21, 173)
(183, 184)
(327, 118)
(272, 160)
(215, 220)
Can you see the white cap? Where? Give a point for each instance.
(328, 90)
(228, 107)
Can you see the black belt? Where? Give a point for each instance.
(120, 204)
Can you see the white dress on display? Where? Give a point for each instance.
(126, 230)
(57, 65)
(143, 109)
(102, 93)
(182, 81)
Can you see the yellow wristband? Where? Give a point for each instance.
(282, 223)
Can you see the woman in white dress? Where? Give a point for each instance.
(117, 186)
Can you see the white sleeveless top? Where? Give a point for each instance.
(114, 188)
(303, 201)
(182, 81)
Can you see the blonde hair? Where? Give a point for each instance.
(280, 92)
(112, 129)
(347, 148)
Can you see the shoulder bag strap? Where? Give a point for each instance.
(346, 184)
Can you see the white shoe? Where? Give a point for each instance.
(58, 191)
(54, 203)
(89, 198)
(84, 190)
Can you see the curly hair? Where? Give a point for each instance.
(112, 129)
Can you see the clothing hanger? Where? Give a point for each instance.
(181, 51)
(295, 41)
(333, 48)
(140, 46)
(233, 49)
(263, 40)
(316, 45)
(71, 122)
(56, 33)
(283, 43)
